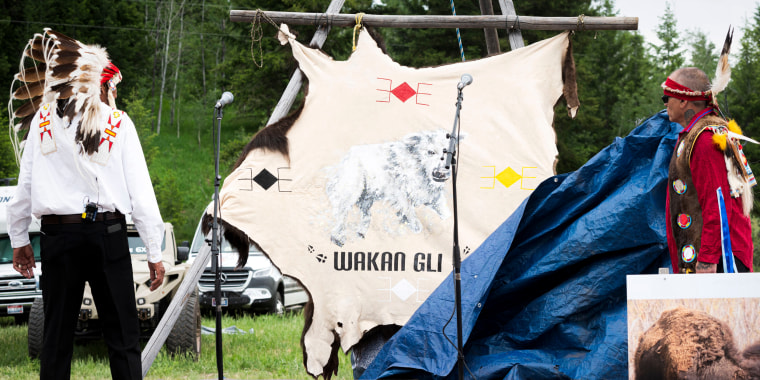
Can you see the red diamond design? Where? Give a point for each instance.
(403, 92)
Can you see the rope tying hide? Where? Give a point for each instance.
(581, 25)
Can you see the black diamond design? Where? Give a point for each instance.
(265, 179)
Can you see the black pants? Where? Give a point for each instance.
(98, 253)
(740, 267)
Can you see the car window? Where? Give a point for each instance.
(136, 245)
(6, 251)
(197, 242)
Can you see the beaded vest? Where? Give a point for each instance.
(685, 211)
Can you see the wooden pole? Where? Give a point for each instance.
(291, 91)
(472, 22)
(513, 31)
(172, 313)
(492, 37)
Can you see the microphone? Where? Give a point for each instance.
(464, 81)
(226, 99)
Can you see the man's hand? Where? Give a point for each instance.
(23, 261)
(156, 274)
(706, 267)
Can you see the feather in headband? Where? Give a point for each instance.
(719, 83)
(723, 71)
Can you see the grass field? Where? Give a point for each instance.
(272, 351)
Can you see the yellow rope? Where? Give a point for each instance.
(581, 24)
(357, 27)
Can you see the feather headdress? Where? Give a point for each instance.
(65, 73)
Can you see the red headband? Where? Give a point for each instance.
(676, 90)
(109, 72)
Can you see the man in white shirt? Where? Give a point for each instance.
(80, 183)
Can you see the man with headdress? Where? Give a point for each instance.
(709, 194)
(81, 171)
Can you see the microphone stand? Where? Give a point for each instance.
(215, 240)
(457, 260)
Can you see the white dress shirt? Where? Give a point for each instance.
(62, 182)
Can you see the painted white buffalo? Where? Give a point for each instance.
(398, 173)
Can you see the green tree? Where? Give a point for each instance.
(617, 89)
(743, 91)
(8, 166)
(743, 104)
(669, 54)
(638, 86)
(744, 88)
(703, 52)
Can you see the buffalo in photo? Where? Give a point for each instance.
(691, 344)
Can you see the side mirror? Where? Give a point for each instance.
(182, 253)
(185, 243)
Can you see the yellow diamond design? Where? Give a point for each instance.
(508, 177)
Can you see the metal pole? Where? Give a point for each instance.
(441, 175)
(215, 248)
(457, 259)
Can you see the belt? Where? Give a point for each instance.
(77, 218)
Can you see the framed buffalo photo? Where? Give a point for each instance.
(704, 326)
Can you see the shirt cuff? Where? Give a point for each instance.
(20, 241)
(154, 252)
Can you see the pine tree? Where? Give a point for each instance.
(638, 84)
(744, 102)
(744, 91)
(668, 55)
(703, 53)
(617, 88)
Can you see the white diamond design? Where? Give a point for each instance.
(403, 289)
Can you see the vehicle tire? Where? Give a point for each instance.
(36, 328)
(279, 306)
(185, 337)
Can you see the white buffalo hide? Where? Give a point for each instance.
(354, 213)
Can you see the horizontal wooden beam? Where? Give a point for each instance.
(472, 22)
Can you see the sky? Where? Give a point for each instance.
(710, 16)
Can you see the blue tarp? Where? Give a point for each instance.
(544, 296)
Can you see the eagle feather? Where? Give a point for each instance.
(30, 90)
(32, 74)
(723, 71)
